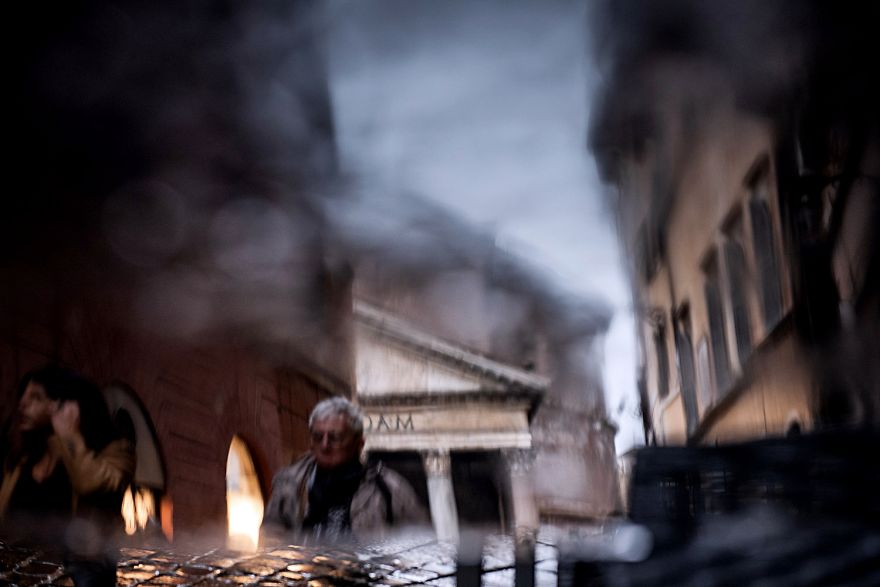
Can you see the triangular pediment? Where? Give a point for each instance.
(392, 358)
(386, 368)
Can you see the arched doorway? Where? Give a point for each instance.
(244, 499)
(145, 509)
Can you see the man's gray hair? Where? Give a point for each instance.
(339, 406)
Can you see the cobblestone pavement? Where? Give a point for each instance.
(402, 562)
(766, 547)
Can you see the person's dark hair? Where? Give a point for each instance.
(65, 384)
(54, 379)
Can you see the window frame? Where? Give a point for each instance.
(722, 374)
(687, 372)
(738, 289)
(661, 352)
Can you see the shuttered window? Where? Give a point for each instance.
(717, 327)
(765, 261)
(662, 362)
(685, 355)
(737, 282)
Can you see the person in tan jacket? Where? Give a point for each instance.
(329, 496)
(65, 470)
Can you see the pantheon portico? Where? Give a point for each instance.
(453, 408)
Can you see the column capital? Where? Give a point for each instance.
(437, 462)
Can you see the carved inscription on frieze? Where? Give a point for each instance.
(388, 423)
(467, 419)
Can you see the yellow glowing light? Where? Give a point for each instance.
(144, 507)
(128, 513)
(245, 517)
(244, 500)
(138, 507)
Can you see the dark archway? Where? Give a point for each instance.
(142, 505)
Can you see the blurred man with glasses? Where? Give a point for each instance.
(328, 495)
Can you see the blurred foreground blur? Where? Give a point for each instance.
(181, 230)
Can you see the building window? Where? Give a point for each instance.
(662, 361)
(737, 280)
(687, 375)
(717, 327)
(738, 286)
(704, 377)
(766, 265)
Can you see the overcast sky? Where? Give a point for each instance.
(482, 106)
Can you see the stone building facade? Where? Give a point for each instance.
(162, 234)
(439, 405)
(485, 304)
(749, 212)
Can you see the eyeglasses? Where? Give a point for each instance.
(333, 438)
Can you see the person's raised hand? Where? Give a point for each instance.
(65, 420)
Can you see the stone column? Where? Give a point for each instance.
(440, 494)
(525, 511)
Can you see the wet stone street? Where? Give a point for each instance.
(414, 562)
